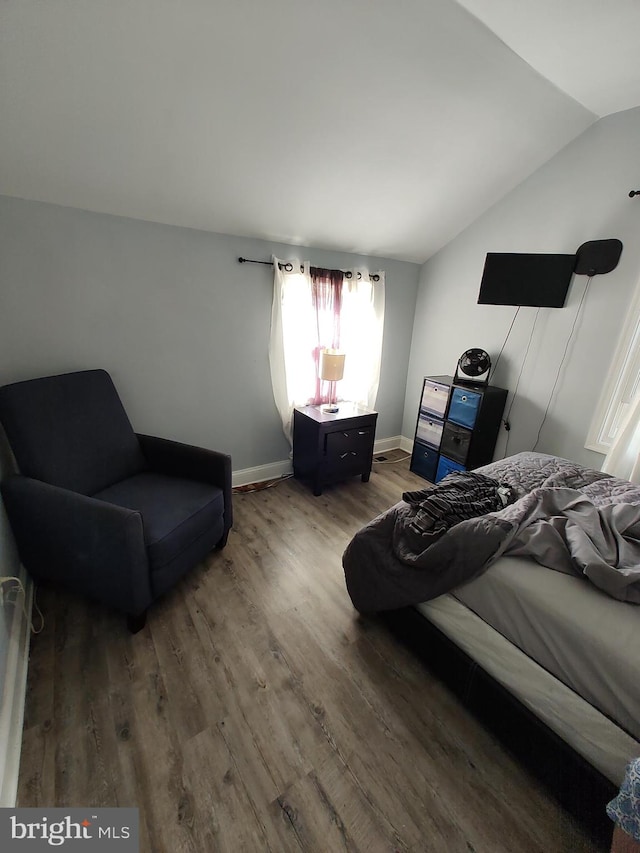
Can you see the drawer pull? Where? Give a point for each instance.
(348, 453)
(363, 432)
(464, 398)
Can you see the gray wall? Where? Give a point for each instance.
(182, 326)
(580, 194)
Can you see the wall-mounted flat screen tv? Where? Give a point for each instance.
(520, 279)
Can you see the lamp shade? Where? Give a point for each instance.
(331, 365)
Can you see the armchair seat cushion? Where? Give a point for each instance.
(176, 513)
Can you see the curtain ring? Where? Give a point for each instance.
(288, 267)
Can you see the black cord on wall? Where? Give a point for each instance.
(564, 355)
(506, 422)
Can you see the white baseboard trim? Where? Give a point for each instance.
(14, 694)
(383, 445)
(271, 471)
(406, 444)
(274, 470)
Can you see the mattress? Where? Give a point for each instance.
(569, 652)
(588, 640)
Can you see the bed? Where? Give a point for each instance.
(540, 604)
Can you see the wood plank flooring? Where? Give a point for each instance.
(257, 711)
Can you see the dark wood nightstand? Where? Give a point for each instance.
(331, 447)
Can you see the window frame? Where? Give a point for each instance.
(621, 385)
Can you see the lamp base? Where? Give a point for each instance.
(330, 409)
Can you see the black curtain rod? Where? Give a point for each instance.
(634, 192)
(288, 267)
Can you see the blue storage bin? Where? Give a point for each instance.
(446, 466)
(424, 461)
(464, 407)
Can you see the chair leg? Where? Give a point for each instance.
(137, 623)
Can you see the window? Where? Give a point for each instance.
(315, 309)
(621, 386)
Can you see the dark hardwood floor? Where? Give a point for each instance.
(256, 711)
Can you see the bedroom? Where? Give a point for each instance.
(95, 286)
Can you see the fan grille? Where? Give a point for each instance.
(474, 362)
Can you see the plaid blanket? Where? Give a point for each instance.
(431, 512)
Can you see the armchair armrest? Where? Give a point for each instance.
(193, 463)
(81, 542)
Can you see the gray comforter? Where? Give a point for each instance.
(567, 517)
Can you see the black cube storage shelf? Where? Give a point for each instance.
(457, 427)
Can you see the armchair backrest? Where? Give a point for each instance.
(70, 431)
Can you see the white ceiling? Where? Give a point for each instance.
(588, 48)
(372, 126)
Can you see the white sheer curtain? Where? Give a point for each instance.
(623, 459)
(302, 325)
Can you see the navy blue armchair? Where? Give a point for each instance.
(116, 516)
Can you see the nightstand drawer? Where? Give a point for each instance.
(350, 442)
(347, 463)
(455, 442)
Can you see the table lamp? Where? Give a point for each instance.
(331, 370)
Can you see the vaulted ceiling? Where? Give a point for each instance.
(374, 126)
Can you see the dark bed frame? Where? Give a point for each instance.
(581, 789)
